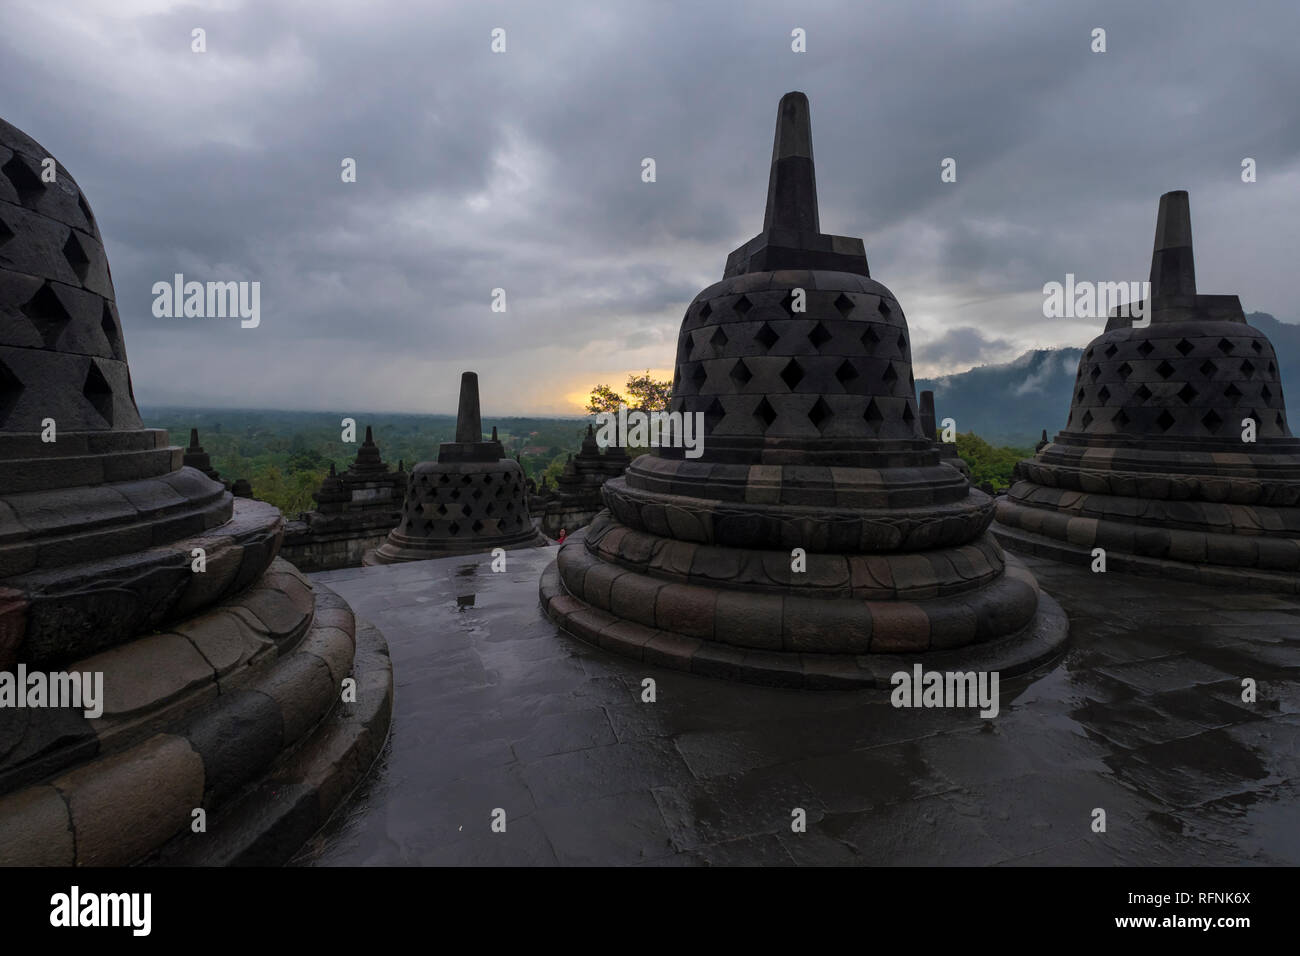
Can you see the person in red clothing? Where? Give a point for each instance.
(560, 539)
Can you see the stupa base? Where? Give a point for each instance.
(240, 712)
(1215, 575)
(1035, 643)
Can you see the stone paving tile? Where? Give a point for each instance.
(1142, 716)
(623, 829)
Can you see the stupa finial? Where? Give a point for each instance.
(1173, 271)
(792, 183)
(469, 425)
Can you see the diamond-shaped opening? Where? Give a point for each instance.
(98, 392)
(1212, 421)
(1095, 373)
(1184, 347)
(719, 339)
(1082, 393)
(1246, 368)
(742, 305)
(466, 479)
(766, 336)
(846, 372)
(872, 416)
(870, 339)
(466, 510)
(884, 309)
(47, 314)
(490, 508)
(1226, 347)
(510, 506)
(478, 493)
(26, 183)
(76, 256)
(1087, 419)
(1280, 421)
(902, 343)
(1120, 419)
(890, 376)
(820, 414)
(740, 373)
(1103, 393)
(1257, 347)
(843, 304)
(453, 528)
(442, 511)
(1164, 369)
(109, 325)
(792, 374)
(1232, 392)
(714, 413)
(10, 391)
(706, 311)
(788, 304)
(1146, 348)
(818, 335)
(1187, 393)
(428, 527)
(1272, 369)
(1166, 421)
(1124, 371)
(1266, 393)
(501, 490)
(477, 527)
(765, 413)
(699, 376)
(1208, 368)
(5, 232)
(908, 415)
(443, 478)
(487, 478)
(1143, 393)
(1111, 350)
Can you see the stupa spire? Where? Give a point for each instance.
(792, 183)
(469, 424)
(1173, 272)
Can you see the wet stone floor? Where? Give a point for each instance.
(1142, 717)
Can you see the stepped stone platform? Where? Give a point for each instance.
(1143, 716)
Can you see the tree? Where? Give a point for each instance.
(644, 394)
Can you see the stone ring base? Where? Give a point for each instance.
(1042, 639)
(1214, 575)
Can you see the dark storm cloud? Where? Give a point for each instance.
(522, 171)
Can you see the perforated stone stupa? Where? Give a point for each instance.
(221, 664)
(1152, 465)
(472, 499)
(813, 441)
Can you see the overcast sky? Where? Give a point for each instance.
(522, 170)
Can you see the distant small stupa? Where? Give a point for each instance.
(472, 499)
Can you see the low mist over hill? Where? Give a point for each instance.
(1011, 404)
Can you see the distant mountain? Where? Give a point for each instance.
(1011, 404)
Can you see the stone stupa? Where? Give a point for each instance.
(1154, 465)
(812, 441)
(472, 499)
(221, 664)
